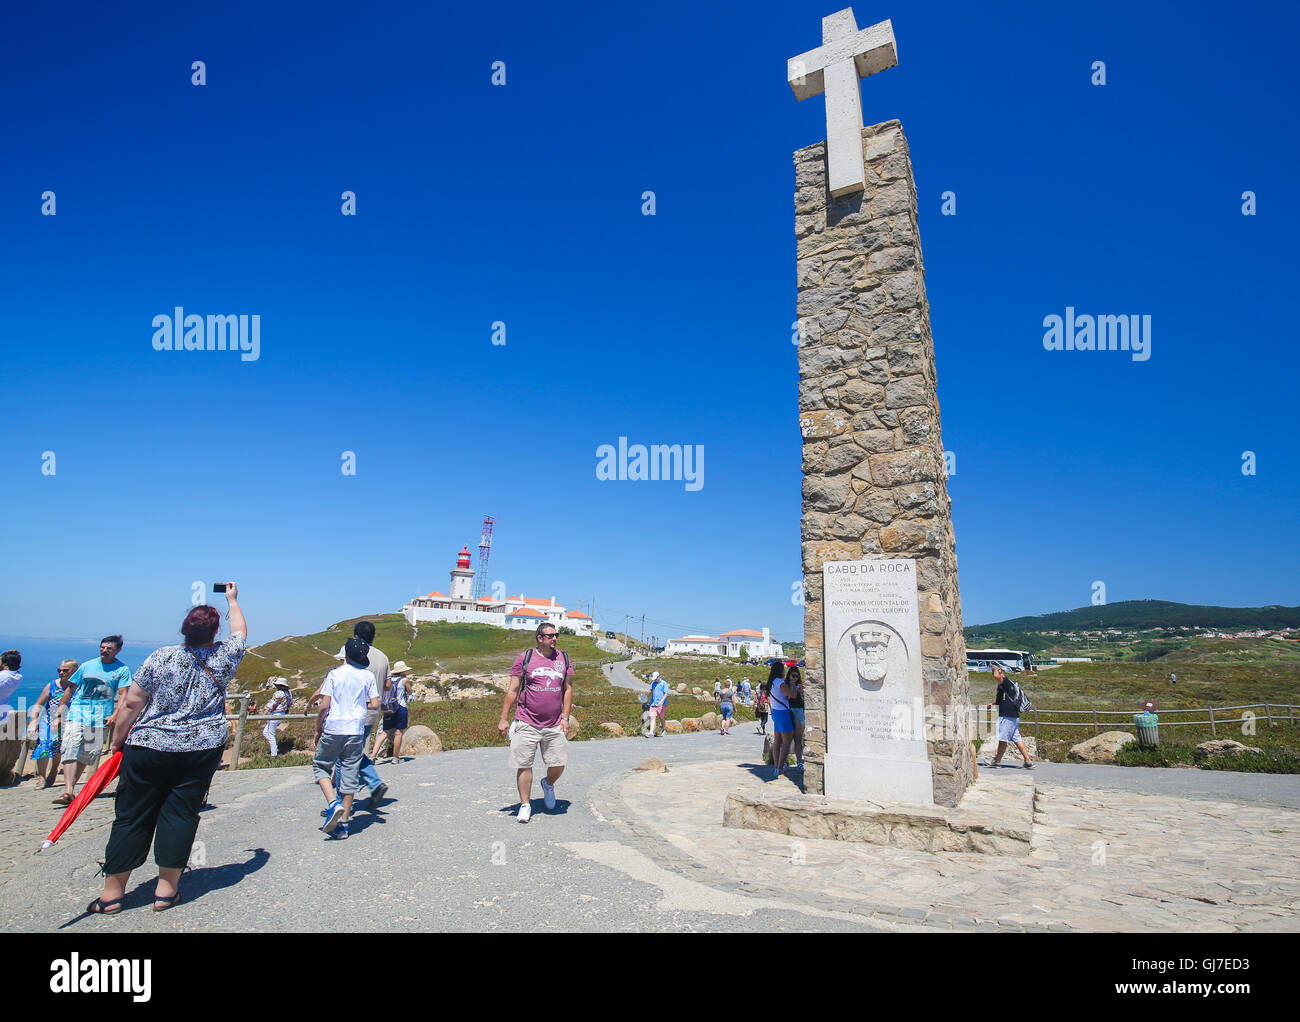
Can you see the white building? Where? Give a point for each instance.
(756, 644)
(520, 611)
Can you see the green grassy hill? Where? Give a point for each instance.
(445, 647)
(1139, 614)
(468, 650)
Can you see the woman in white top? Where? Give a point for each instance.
(782, 720)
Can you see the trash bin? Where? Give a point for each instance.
(1148, 730)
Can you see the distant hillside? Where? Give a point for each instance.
(468, 649)
(1139, 614)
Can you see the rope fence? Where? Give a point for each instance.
(1273, 713)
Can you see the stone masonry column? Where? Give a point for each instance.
(874, 476)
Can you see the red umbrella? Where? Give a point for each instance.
(97, 783)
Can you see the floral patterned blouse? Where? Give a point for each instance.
(187, 707)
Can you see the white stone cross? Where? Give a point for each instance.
(846, 54)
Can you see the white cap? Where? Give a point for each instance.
(654, 676)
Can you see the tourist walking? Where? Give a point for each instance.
(717, 692)
(378, 666)
(279, 705)
(89, 707)
(746, 691)
(171, 731)
(45, 725)
(541, 694)
(762, 704)
(658, 701)
(727, 704)
(393, 704)
(782, 721)
(1007, 698)
(348, 695)
(794, 682)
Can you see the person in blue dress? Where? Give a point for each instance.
(44, 725)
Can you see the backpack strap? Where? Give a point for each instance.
(523, 677)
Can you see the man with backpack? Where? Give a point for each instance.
(1011, 702)
(542, 696)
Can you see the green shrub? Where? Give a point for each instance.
(1266, 762)
(1161, 756)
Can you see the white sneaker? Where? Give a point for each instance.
(548, 794)
(525, 811)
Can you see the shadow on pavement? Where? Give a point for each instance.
(194, 884)
(539, 808)
(361, 822)
(198, 882)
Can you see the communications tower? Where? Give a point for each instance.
(484, 553)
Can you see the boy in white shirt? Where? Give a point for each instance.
(349, 691)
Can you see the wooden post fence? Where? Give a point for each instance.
(1213, 729)
(1095, 729)
(239, 732)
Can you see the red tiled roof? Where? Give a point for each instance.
(578, 613)
(526, 612)
(742, 631)
(435, 595)
(532, 602)
(695, 638)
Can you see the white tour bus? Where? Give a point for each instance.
(1010, 660)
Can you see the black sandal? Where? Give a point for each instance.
(167, 902)
(100, 908)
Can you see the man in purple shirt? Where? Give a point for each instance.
(540, 686)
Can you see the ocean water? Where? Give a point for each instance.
(41, 659)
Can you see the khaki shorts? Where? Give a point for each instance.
(83, 742)
(523, 747)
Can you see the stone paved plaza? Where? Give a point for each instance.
(629, 851)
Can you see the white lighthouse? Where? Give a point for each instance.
(462, 577)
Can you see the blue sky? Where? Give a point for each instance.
(522, 204)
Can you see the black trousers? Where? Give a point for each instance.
(158, 792)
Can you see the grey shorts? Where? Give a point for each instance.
(346, 750)
(527, 740)
(1009, 729)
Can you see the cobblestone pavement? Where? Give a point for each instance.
(642, 852)
(1101, 860)
(27, 817)
(443, 853)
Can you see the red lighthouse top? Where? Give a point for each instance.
(462, 558)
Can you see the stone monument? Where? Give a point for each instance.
(887, 693)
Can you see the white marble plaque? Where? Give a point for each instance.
(875, 730)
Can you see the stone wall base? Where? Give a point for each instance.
(994, 818)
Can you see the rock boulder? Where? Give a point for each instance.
(1222, 747)
(12, 730)
(655, 764)
(614, 729)
(690, 723)
(1101, 749)
(420, 741)
(673, 727)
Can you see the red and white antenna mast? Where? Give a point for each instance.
(484, 553)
